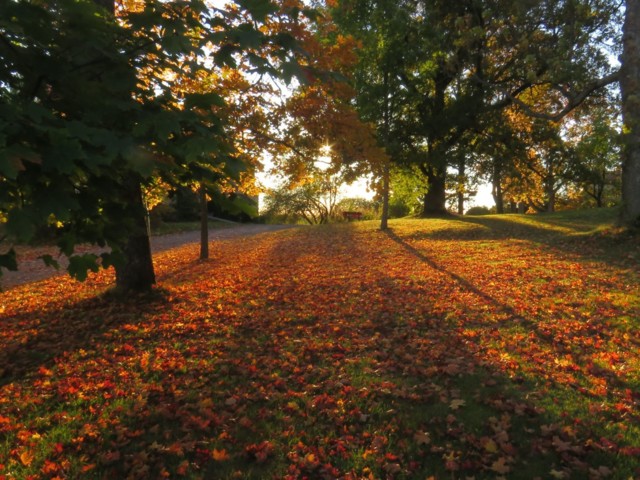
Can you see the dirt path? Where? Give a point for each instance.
(33, 269)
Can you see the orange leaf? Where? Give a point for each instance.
(220, 455)
(27, 457)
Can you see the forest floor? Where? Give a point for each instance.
(497, 347)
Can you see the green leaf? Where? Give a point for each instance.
(8, 260)
(20, 224)
(224, 56)
(233, 167)
(12, 160)
(67, 242)
(49, 261)
(291, 70)
(10, 165)
(203, 100)
(79, 265)
(259, 9)
(249, 37)
(140, 161)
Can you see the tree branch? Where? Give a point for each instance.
(573, 101)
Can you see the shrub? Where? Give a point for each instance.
(478, 211)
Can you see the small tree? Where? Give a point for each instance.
(314, 201)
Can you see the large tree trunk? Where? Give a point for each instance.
(498, 197)
(135, 273)
(551, 195)
(387, 165)
(435, 200)
(630, 89)
(496, 188)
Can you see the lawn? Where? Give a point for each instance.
(472, 347)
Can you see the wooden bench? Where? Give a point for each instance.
(349, 216)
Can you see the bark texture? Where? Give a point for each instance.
(135, 273)
(630, 89)
(435, 199)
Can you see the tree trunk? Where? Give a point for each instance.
(135, 273)
(385, 197)
(435, 199)
(204, 223)
(630, 89)
(496, 189)
(498, 197)
(461, 185)
(551, 197)
(385, 172)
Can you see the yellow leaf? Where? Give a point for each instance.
(491, 446)
(456, 404)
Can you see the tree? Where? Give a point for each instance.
(630, 90)
(457, 62)
(93, 116)
(313, 201)
(595, 137)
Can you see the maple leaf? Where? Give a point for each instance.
(220, 455)
(500, 466)
(27, 457)
(457, 403)
(422, 438)
(490, 446)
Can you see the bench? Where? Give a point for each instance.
(348, 216)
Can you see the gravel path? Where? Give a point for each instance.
(32, 269)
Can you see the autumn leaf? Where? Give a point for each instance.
(500, 466)
(422, 438)
(220, 455)
(27, 457)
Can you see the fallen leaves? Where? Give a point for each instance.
(337, 352)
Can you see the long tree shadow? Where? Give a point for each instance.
(457, 278)
(512, 317)
(577, 239)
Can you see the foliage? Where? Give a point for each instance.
(369, 209)
(478, 211)
(94, 105)
(407, 189)
(597, 164)
(433, 74)
(338, 351)
(314, 201)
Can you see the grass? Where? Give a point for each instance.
(485, 347)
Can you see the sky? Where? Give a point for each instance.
(360, 189)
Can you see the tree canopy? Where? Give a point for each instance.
(95, 104)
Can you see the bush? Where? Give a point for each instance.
(398, 209)
(478, 211)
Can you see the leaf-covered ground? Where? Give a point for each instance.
(494, 347)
